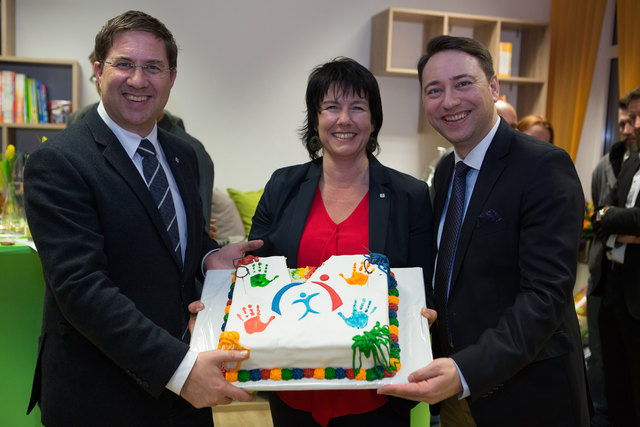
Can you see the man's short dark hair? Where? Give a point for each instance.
(347, 76)
(463, 44)
(631, 96)
(134, 20)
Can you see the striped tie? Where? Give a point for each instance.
(158, 185)
(446, 254)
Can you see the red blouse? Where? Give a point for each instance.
(321, 239)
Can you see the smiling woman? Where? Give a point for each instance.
(343, 202)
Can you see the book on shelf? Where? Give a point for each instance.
(22, 99)
(8, 85)
(20, 113)
(41, 95)
(504, 63)
(33, 102)
(1, 102)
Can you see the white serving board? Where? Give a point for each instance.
(415, 347)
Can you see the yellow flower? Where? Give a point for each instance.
(10, 152)
(7, 162)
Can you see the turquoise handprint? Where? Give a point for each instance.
(359, 316)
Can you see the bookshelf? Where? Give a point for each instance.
(399, 38)
(62, 78)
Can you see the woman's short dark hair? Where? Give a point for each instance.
(463, 44)
(347, 76)
(134, 20)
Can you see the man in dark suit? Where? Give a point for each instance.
(120, 234)
(507, 343)
(618, 227)
(603, 181)
(175, 125)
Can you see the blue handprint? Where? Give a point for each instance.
(359, 317)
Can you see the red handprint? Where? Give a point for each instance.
(252, 321)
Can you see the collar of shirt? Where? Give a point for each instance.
(474, 159)
(129, 140)
(476, 156)
(632, 196)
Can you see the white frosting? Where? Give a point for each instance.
(297, 337)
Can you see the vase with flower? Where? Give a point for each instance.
(12, 221)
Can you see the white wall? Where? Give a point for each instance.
(243, 65)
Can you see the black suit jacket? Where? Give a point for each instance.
(115, 309)
(515, 332)
(175, 125)
(621, 220)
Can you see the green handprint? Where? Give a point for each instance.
(259, 279)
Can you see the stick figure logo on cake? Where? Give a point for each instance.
(359, 316)
(336, 301)
(252, 321)
(306, 300)
(357, 277)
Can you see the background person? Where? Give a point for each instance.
(603, 181)
(618, 227)
(536, 126)
(343, 202)
(507, 112)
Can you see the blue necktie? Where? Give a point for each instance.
(446, 253)
(158, 185)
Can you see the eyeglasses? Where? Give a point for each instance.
(127, 67)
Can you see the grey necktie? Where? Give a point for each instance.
(158, 185)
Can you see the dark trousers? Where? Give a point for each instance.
(620, 339)
(595, 374)
(387, 415)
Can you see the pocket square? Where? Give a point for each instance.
(489, 216)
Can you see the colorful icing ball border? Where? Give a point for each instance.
(371, 374)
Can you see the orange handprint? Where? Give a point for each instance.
(357, 277)
(252, 321)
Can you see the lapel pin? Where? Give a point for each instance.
(177, 160)
(382, 195)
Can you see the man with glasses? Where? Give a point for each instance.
(175, 125)
(113, 207)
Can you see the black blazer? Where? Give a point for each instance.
(115, 309)
(621, 220)
(400, 224)
(515, 332)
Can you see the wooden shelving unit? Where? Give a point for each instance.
(62, 78)
(400, 36)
